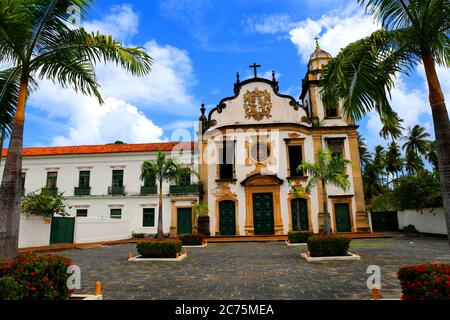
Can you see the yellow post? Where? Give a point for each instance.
(376, 294)
(185, 251)
(130, 255)
(98, 288)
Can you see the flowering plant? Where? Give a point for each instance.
(44, 204)
(425, 282)
(35, 277)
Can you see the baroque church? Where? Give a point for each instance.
(251, 145)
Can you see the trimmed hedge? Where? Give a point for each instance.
(34, 277)
(425, 282)
(159, 249)
(191, 239)
(299, 236)
(328, 246)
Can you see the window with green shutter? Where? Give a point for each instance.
(117, 178)
(185, 180)
(116, 214)
(51, 180)
(84, 179)
(148, 219)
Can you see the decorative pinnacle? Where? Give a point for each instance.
(203, 109)
(316, 38)
(237, 77)
(273, 76)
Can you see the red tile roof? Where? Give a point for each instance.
(108, 148)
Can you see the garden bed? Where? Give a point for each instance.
(349, 257)
(140, 259)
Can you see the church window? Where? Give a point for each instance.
(331, 112)
(295, 160)
(336, 147)
(226, 160)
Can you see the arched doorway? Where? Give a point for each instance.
(299, 208)
(227, 218)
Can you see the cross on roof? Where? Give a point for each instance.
(255, 67)
(316, 38)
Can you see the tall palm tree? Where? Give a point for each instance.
(36, 42)
(431, 155)
(392, 126)
(394, 162)
(363, 73)
(413, 163)
(416, 141)
(364, 155)
(371, 182)
(326, 169)
(379, 161)
(162, 169)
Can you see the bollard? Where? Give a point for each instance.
(185, 251)
(98, 288)
(130, 255)
(177, 255)
(376, 294)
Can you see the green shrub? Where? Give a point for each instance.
(11, 289)
(425, 282)
(409, 229)
(299, 236)
(191, 239)
(42, 277)
(325, 246)
(159, 249)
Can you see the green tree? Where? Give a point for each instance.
(162, 169)
(392, 126)
(394, 162)
(413, 163)
(416, 141)
(364, 155)
(431, 155)
(326, 169)
(362, 75)
(44, 204)
(379, 161)
(38, 43)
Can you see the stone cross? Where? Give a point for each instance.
(255, 67)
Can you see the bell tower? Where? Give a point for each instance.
(310, 84)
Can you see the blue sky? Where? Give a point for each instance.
(198, 46)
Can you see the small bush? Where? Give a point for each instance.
(191, 239)
(35, 277)
(139, 235)
(326, 246)
(159, 249)
(299, 236)
(11, 289)
(425, 282)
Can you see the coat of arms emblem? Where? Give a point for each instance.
(257, 104)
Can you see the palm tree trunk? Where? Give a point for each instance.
(10, 187)
(441, 130)
(326, 215)
(2, 140)
(160, 213)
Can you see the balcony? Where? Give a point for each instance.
(116, 191)
(82, 191)
(185, 189)
(52, 191)
(147, 190)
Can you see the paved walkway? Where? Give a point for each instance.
(268, 270)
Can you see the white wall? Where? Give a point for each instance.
(88, 230)
(425, 220)
(33, 231)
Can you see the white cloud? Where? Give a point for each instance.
(334, 32)
(165, 91)
(268, 24)
(121, 22)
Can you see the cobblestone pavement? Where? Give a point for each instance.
(269, 270)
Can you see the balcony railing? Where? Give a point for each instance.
(116, 191)
(185, 189)
(82, 191)
(52, 191)
(146, 190)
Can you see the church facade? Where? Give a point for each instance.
(250, 147)
(244, 164)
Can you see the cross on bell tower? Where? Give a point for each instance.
(255, 68)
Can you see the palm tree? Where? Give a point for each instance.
(162, 169)
(371, 182)
(394, 162)
(392, 126)
(416, 141)
(431, 155)
(413, 163)
(364, 155)
(37, 42)
(326, 169)
(363, 73)
(379, 161)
